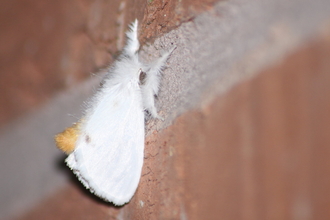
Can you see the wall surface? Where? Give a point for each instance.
(245, 98)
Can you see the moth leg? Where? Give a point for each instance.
(132, 45)
(150, 87)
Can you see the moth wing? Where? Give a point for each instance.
(108, 157)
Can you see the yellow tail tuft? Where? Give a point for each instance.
(66, 140)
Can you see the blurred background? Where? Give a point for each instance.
(245, 97)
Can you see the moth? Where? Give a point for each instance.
(106, 147)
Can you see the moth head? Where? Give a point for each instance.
(66, 140)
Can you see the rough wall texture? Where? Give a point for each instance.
(245, 100)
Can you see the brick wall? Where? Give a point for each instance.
(245, 99)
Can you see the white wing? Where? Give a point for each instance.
(108, 157)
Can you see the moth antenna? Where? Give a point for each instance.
(132, 45)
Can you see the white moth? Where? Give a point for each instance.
(106, 147)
